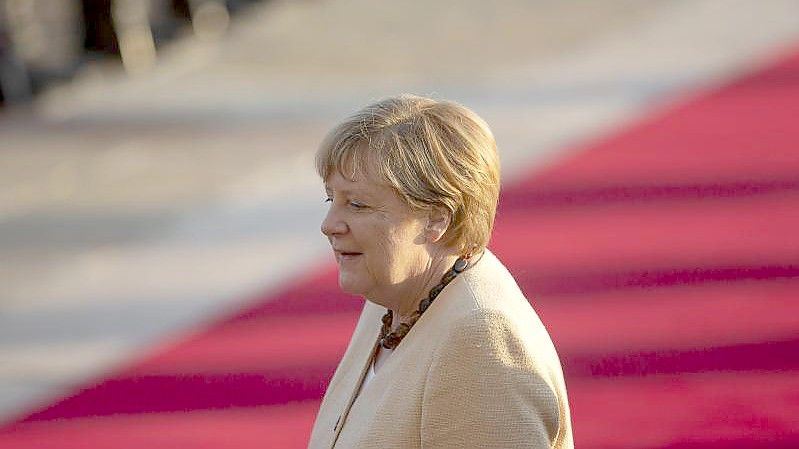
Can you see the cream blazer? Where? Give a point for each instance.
(478, 370)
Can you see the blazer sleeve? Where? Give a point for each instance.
(485, 389)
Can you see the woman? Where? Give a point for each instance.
(447, 352)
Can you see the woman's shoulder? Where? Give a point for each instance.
(487, 288)
(495, 364)
(488, 307)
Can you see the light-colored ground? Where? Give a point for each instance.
(134, 208)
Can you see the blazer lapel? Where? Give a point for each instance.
(359, 371)
(354, 372)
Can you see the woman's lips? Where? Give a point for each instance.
(347, 255)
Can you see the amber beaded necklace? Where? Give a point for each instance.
(390, 340)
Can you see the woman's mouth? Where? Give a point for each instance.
(347, 255)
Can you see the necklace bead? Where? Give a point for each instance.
(435, 291)
(425, 304)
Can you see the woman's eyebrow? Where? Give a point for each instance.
(360, 192)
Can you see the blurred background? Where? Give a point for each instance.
(163, 281)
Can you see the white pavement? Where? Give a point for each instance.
(134, 209)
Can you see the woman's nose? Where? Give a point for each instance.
(332, 224)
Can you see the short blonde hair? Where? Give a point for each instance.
(433, 153)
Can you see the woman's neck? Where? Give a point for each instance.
(409, 303)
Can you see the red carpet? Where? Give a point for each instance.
(664, 259)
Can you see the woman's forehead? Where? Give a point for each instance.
(358, 183)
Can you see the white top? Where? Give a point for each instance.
(379, 360)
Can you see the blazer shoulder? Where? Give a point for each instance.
(490, 308)
(488, 285)
(490, 375)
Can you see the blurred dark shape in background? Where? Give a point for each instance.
(47, 41)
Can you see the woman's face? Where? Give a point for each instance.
(378, 240)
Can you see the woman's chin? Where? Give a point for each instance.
(349, 286)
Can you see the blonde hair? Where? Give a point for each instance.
(433, 153)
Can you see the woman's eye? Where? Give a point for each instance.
(357, 205)
(327, 200)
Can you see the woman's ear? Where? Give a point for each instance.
(438, 221)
